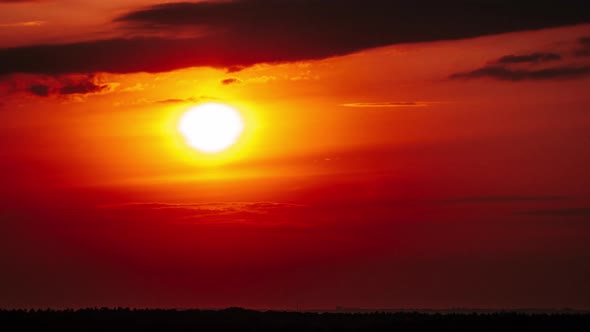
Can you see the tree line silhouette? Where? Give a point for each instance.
(237, 319)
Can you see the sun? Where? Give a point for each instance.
(211, 128)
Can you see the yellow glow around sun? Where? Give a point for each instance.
(211, 128)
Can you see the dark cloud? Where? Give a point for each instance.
(236, 34)
(115, 55)
(40, 90)
(234, 69)
(524, 67)
(517, 75)
(43, 86)
(584, 49)
(81, 88)
(566, 212)
(528, 58)
(230, 80)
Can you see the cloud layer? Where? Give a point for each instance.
(258, 214)
(526, 67)
(516, 75)
(388, 104)
(527, 58)
(60, 85)
(565, 212)
(235, 34)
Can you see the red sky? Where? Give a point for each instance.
(396, 154)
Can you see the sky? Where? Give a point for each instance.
(396, 154)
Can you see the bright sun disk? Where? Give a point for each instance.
(211, 128)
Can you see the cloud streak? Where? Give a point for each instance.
(566, 212)
(533, 66)
(388, 104)
(23, 24)
(518, 75)
(241, 33)
(530, 58)
(230, 81)
(259, 214)
(45, 86)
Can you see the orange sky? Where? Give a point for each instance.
(395, 176)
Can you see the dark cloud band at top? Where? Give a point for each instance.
(236, 34)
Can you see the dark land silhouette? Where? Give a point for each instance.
(237, 319)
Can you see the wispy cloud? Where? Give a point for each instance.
(534, 66)
(176, 101)
(57, 85)
(167, 101)
(68, 85)
(189, 100)
(565, 212)
(518, 75)
(388, 104)
(230, 80)
(530, 58)
(219, 213)
(25, 24)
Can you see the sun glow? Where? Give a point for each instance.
(211, 128)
